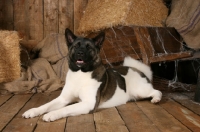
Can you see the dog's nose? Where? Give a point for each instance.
(80, 53)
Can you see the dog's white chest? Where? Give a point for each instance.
(81, 84)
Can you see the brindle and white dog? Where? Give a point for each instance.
(92, 85)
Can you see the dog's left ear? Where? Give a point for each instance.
(98, 40)
(70, 37)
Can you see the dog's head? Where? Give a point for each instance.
(83, 53)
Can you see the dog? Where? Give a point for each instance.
(92, 85)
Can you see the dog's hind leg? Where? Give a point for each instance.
(156, 96)
(55, 104)
(147, 91)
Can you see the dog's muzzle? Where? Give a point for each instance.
(79, 57)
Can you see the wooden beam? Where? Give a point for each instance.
(141, 42)
(170, 56)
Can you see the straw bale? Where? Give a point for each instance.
(9, 56)
(147, 13)
(101, 14)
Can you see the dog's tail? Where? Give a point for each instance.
(130, 62)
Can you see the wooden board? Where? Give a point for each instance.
(28, 21)
(186, 101)
(56, 126)
(161, 118)
(80, 123)
(11, 108)
(35, 17)
(20, 24)
(79, 7)
(187, 117)
(6, 15)
(66, 15)
(135, 119)
(50, 17)
(4, 98)
(109, 116)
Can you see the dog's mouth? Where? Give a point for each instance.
(80, 62)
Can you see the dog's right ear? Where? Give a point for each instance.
(70, 37)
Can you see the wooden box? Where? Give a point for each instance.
(150, 44)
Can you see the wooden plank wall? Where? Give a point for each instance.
(35, 19)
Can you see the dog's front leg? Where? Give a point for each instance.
(71, 110)
(55, 104)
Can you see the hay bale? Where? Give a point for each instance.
(9, 56)
(101, 14)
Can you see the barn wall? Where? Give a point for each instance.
(35, 19)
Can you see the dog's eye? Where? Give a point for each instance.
(77, 45)
(88, 46)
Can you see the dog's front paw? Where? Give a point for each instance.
(51, 116)
(31, 113)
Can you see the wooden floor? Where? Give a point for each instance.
(175, 113)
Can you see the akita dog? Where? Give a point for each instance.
(92, 85)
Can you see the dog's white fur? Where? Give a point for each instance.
(82, 88)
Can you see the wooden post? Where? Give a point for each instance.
(141, 39)
(197, 91)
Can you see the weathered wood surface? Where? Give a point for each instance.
(185, 116)
(9, 109)
(6, 15)
(149, 44)
(36, 19)
(176, 112)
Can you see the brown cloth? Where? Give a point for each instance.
(185, 18)
(47, 72)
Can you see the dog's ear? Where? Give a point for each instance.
(70, 37)
(98, 40)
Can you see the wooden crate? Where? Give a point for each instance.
(150, 44)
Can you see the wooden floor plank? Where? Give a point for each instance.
(81, 123)
(111, 128)
(161, 118)
(176, 112)
(109, 120)
(56, 126)
(184, 115)
(186, 101)
(135, 119)
(19, 124)
(4, 98)
(108, 116)
(11, 108)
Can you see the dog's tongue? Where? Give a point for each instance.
(80, 61)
